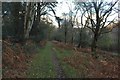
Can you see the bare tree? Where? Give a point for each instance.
(58, 19)
(29, 18)
(65, 26)
(82, 24)
(97, 14)
(72, 15)
(41, 8)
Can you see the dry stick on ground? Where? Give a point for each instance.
(58, 68)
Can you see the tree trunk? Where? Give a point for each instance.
(65, 31)
(80, 38)
(79, 45)
(59, 24)
(94, 43)
(72, 36)
(72, 39)
(38, 17)
(26, 19)
(72, 33)
(65, 35)
(29, 19)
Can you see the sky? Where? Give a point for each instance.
(62, 7)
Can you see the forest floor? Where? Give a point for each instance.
(59, 60)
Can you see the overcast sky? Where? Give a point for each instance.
(62, 7)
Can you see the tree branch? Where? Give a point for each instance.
(110, 9)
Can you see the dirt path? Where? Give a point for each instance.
(46, 64)
(56, 63)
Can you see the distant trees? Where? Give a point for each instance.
(24, 20)
(62, 31)
(105, 42)
(81, 27)
(72, 15)
(65, 23)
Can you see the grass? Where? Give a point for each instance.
(69, 71)
(42, 66)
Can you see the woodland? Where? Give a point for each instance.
(81, 42)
